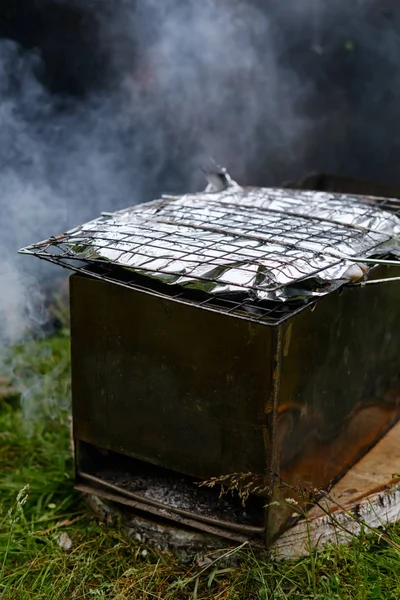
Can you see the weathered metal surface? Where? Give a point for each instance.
(207, 394)
(365, 499)
(340, 385)
(169, 384)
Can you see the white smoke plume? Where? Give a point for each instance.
(134, 100)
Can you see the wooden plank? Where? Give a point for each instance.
(369, 493)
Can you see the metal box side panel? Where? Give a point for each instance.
(168, 383)
(340, 384)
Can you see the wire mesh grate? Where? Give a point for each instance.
(260, 254)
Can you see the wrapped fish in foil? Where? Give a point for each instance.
(269, 244)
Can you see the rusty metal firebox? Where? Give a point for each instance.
(231, 333)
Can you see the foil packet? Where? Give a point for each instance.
(267, 244)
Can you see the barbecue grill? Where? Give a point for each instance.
(247, 337)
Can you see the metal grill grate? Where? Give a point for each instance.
(261, 254)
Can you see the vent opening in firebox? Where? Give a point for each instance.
(168, 494)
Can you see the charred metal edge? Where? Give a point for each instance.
(271, 411)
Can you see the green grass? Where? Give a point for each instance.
(38, 503)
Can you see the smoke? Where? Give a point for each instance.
(106, 104)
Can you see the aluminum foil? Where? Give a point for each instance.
(270, 244)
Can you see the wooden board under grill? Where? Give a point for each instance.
(369, 492)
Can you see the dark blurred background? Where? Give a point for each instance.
(339, 63)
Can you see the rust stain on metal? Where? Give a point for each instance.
(318, 457)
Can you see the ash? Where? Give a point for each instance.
(182, 492)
